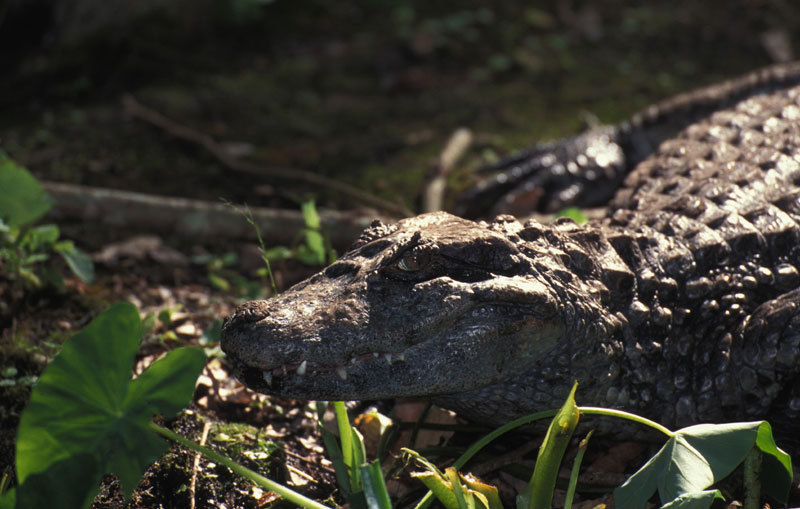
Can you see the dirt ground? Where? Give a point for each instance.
(366, 94)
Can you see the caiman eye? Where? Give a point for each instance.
(415, 260)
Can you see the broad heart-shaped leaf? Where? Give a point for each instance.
(8, 500)
(22, 199)
(85, 402)
(776, 465)
(72, 482)
(698, 456)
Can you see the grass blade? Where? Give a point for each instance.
(346, 438)
(374, 486)
(576, 467)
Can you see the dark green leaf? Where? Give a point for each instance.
(23, 200)
(80, 264)
(35, 258)
(335, 455)
(64, 246)
(374, 486)
(71, 482)
(359, 451)
(213, 333)
(677, 462)
(85, 402)
(316, 247)
(229, 259)
(29, 276)
(310, 215)
(149, 323)
(722, 447)
(697, 456)
(219, 282)
(43, 235)
(573, 213)
(278, 253)
(306, 255)
(165, 388)
(8, 500)
(776, 465)
(79, 391)
(695, 500)
(165, 316)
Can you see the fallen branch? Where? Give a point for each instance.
(196, 219)
(136, 109)
(457, 145)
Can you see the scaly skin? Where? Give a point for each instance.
(587, 169)
(681, 304)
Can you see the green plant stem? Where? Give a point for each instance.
(4, 482)
(269, 269)
(415, 430)
(480, 444)
(609, 412)
(248, 216)
(516, 423)
(576, 467)
(283, 491)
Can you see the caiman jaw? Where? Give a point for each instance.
(315, 368)
(274, 380)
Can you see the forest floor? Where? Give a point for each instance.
(364, 94)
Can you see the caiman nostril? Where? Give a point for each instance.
(341, 268)
(248, 312)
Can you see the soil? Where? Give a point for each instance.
(365, 93)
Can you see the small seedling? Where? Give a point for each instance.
(25, 247)
(311, 247)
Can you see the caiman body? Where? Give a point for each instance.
(682, 303)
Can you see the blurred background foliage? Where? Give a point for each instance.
(367, 92)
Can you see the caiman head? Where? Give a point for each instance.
(432, 305)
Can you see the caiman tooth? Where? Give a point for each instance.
(342, 372)
(268, 377)
(388, 358)
(301, 369)
(400, 356)
(353, 361)
(376, 354)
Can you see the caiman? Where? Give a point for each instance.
(681, 304)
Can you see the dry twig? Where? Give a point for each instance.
(433, 196)
(140, 111)
(196, 465)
